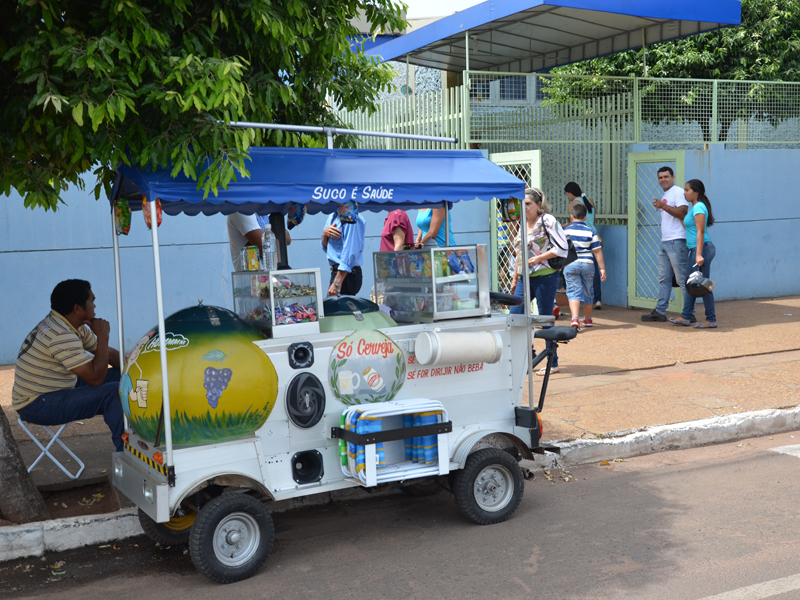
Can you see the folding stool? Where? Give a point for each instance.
(46, 449)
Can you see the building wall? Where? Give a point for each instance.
(420, 79)
(757, 211)
(38, 249)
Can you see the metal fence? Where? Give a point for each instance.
(585, 125)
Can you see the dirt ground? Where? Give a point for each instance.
(93, 499)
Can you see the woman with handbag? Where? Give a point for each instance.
(701, 252)
(546, 241)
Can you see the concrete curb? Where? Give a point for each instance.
(34, 539)
(659, 438)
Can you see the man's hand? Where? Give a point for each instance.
(332, 231)
(660, 204)
(333, 290)
(100, 327)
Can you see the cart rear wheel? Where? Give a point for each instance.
(174, 532)
(231, 538)
(489, 488)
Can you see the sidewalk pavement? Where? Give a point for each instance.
(619, 377)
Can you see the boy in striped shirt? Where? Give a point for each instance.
(62, 372)
(579, 274)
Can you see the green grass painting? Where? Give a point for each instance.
(204, 429)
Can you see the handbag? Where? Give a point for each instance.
(559, 262)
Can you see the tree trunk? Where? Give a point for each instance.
(20, 501)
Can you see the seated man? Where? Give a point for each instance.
(62, 372)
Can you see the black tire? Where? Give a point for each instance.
(173, 533)
(489, 488)
(232, 523)
(422, 490)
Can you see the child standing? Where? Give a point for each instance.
(579, 275)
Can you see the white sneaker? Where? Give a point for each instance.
(597, 305)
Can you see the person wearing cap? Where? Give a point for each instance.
(343, 243)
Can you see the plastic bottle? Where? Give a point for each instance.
(269, 249)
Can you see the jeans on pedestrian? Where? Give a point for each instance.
(579, 276)
(543, 288)
(671, 261)
(84, 401)
(709, 252)
(596, 284)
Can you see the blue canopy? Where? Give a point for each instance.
(378, 180)
(534, 35)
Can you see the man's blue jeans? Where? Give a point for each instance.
(671, 261)
(709, 252)
(543, 288)
(84, 401)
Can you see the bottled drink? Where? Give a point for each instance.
(269, 249)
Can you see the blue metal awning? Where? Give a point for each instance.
(378, 180)
(524, 36)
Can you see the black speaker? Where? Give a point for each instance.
(301, 355)
(307, 467)
(305, 400)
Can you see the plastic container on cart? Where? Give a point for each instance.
(433, 284)
(286, 303)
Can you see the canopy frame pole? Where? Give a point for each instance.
(331, 131)
(466, 51)
(162, 346)
(447, 223)
(118, 287)
(644, 49)
(526, 295)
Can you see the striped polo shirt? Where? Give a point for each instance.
(47, 357)
(584, 239)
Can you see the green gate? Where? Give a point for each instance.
(644, 226)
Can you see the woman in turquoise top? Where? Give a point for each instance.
(430, 222)
(701, 251)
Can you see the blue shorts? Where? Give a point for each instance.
(580, 281)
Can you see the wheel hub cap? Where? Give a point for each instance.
(236, 539)
(494, 487)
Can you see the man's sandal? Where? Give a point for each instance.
(542, 372)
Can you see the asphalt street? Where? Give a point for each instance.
(717, 523)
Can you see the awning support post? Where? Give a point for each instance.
(118, 286)
(162, 343)
(524, 277)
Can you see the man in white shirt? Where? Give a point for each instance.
(674, 253)
(246, 230)
(243, 230)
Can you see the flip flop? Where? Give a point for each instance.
(712, 325)
(679, 321)
(553, 371)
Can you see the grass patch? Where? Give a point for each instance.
(205, 429)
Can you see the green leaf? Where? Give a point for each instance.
(214, 356)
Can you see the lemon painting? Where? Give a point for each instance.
(221, 386)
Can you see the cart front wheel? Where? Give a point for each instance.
(174, 532)
(231, 538)
(489, 488)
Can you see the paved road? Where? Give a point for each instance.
(718, 522)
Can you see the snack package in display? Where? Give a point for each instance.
(296, 214)
(510, 210)
(146, 212)
(463, 256)
(416, 265)
(122, 216)
(455, 264)
(348, 212)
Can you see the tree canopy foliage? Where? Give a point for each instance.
(87, 85)
(765, 47)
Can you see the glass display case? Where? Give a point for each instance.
(282, 303)
(432, 284)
